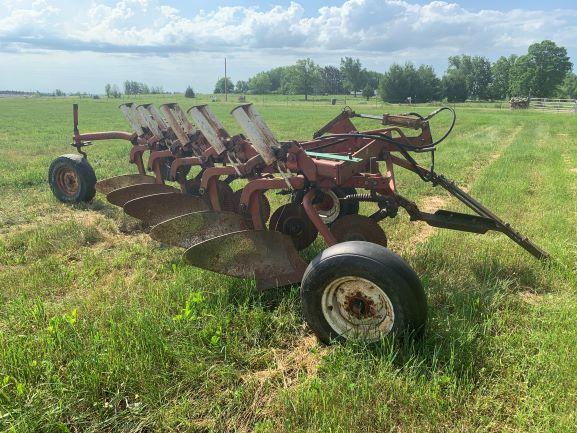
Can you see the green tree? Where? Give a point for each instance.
(108, 90)
(260, 83)
(372, 78)
(428, 85)
(501, 72)
(241, 86)
(402, 82)
(189, 92)
(540, 71)
(522, 77)
(303, 78)
(568, 88)
(331, 80)
(454, 84)
(368, 91)
(398, 83)
(477, 73)
(135, 88)
(115, 92)
(219, 87)
(276, 77)
(353, 74)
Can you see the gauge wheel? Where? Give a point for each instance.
(72, 179)
(363, 291)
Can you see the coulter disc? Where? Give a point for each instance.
(358, 228)
(292, 220)
(193, 228)
(121, 196)
(156, 208)
(268, 256)
(108, 185)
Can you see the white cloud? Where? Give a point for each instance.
(87, 43)
(25, 19)
(369, 26)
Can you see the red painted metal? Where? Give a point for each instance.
(339, 156)
(316, 219)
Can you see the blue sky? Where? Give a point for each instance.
(84, 44)
(311, 6)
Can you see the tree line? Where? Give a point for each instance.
(544, 71)
(305, 77)
(132, 88)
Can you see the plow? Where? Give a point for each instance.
(356, 287)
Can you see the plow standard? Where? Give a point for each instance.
(356, 287)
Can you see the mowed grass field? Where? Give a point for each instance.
(104, 330)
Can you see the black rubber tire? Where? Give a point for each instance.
(375, 263)
(78, 167)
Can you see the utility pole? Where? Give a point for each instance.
(225, 82)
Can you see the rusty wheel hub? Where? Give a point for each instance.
(67, 181)
(358, 308)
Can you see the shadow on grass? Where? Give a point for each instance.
(125, 223)
(469, 304)
(467, 295)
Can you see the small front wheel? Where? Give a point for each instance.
(360, 290)
(72, 179)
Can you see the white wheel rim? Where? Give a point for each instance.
(330, 215)
(355, 307)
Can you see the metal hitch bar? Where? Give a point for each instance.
(486, 220)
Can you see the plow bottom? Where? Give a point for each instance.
(106, 186)
(121, 196)
(268, 256)
(191, 229)
(156, 208)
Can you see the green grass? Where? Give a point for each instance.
(102, 329)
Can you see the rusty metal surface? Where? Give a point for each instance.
(210, 126)
(292, 220)
(316, 219)
(67, 180)
(268, 256)
(264, 204)
(225, 196)
(121, 196)
(356, 307)
(156, 208)
(345, 158)
(358, 228)
(259, 134)
(108, 185)
(188, 230)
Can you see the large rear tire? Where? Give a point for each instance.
(360, 290)
(72, 179)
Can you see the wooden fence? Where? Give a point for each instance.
(548, 104)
